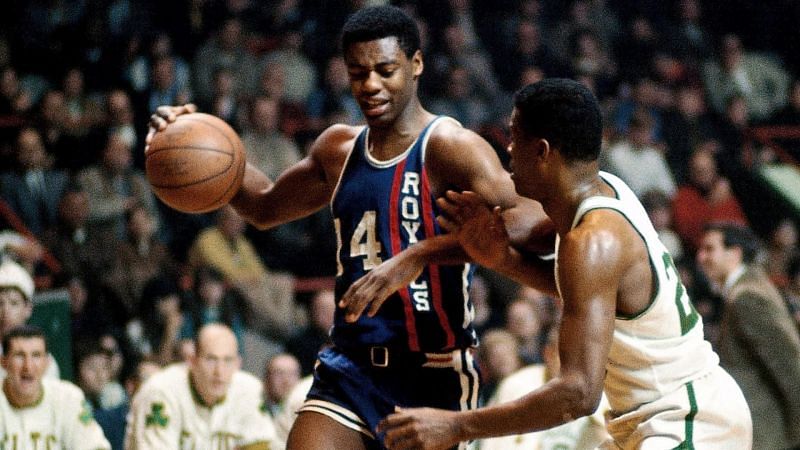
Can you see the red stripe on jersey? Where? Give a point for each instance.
(436, 285)
(394, 232)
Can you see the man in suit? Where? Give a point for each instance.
(759, 344)
(34, 190)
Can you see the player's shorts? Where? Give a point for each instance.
(709, 413)
(358, 388)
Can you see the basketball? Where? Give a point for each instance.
(196, 164)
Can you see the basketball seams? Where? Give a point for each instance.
(237, 161)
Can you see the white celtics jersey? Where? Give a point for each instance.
(662, 348)
(166, 414)
(61, 420)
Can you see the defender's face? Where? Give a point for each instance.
(382, 78)
(25, 363)
(523, 164)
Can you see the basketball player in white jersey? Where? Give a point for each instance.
(628, 326)
(37, 412)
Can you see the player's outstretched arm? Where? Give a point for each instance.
(590, 268)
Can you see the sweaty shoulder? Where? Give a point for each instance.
(329, 151)
(602, 238)
(459, 158)
(449, 134)
(336, 139)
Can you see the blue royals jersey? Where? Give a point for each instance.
(379, 209)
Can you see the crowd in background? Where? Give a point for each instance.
(679, 86)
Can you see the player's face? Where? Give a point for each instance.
(714, 259)
(25, 363)
(14, 310)
(523, 163)
(213, 368)
(382, 78)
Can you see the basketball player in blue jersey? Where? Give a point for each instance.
(628, 326)
(381, 181)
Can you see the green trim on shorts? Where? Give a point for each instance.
(687, 444)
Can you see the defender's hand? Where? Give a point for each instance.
(420, 429)
(481, 231)
(378, 284)
(164, 116)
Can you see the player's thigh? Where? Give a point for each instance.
(314, 431)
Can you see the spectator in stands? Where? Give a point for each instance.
(163, 87)
(25, 250)
(212, 302)
(792, 291)
(269, 295)
(268, 148)
(659, 208)
(301, 74)
(83, 112)
(95, 379)
(332, 102)
(90, 316)
(637, 160)
(306, 342)
(280, 377)
(705, 198)
(224, 102)
(759, 341)
(137, 259)
(523, 322)
(498, 357)
(459, 99)
(761, 80)
(52, 122)
(33, 190)
(156, 330)
(781, 248)
(689, 38)
(114, 187)
(16, 305)
(14, 99)
(686, 126)
(225, 48)
(112, 420)
(120, 121)
(585, 433)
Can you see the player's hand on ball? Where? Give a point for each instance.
(165, 115)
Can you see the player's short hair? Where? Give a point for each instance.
(23, 332)
(735, 235)
(378, 22)
(564, 112)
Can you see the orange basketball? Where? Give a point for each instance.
(196, 164)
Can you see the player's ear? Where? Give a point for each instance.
(417, 64)
(542, 149)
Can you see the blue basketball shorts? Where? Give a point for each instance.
(359, 387)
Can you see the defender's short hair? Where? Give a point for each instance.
(564, 112)
(378, 22)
